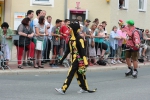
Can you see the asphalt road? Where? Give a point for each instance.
(111, 85)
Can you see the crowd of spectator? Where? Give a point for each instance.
(41, 42)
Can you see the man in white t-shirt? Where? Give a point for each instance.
(46, 51)
(35, 21)
(79, 18)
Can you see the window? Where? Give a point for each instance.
(123, 4)
(43, 2)
(142, 5)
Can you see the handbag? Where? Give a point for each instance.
(39, 45)
(23, 41)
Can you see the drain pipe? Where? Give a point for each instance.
(65, 9)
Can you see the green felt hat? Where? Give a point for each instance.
(130, 22)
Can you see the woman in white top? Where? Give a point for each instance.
(41, 32)
(92, 52)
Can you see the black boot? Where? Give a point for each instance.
(129, 71)
(135, 73)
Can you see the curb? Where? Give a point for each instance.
(62, 70)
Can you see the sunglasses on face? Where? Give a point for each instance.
(101, 25)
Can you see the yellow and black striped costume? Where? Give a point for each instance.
(76, 43)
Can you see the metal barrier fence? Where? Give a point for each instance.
(4, 51)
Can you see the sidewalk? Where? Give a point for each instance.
(48, 70)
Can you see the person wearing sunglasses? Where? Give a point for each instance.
(146, 46)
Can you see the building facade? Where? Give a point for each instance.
(106, 10)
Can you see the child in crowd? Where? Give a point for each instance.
(56, 42)
(114, 38)
(92, 52)
(122, 35)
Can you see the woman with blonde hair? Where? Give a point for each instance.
(92, 52)
(99, 40)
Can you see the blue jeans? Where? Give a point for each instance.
(113, 52)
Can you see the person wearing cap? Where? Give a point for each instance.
(56, 41)
(6, 38)
(86, 32)
(121, 42)
(132, 46)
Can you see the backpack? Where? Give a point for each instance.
(140, 31)
(141, 60)
(101, 62)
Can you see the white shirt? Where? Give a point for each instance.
(81, 25)
(35, 22)
(50, 29)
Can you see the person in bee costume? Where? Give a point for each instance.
(79, 62)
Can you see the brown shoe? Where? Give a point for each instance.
(40, 66)
(90, 64)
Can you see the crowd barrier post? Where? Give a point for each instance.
(65, 63)
(51, 50)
